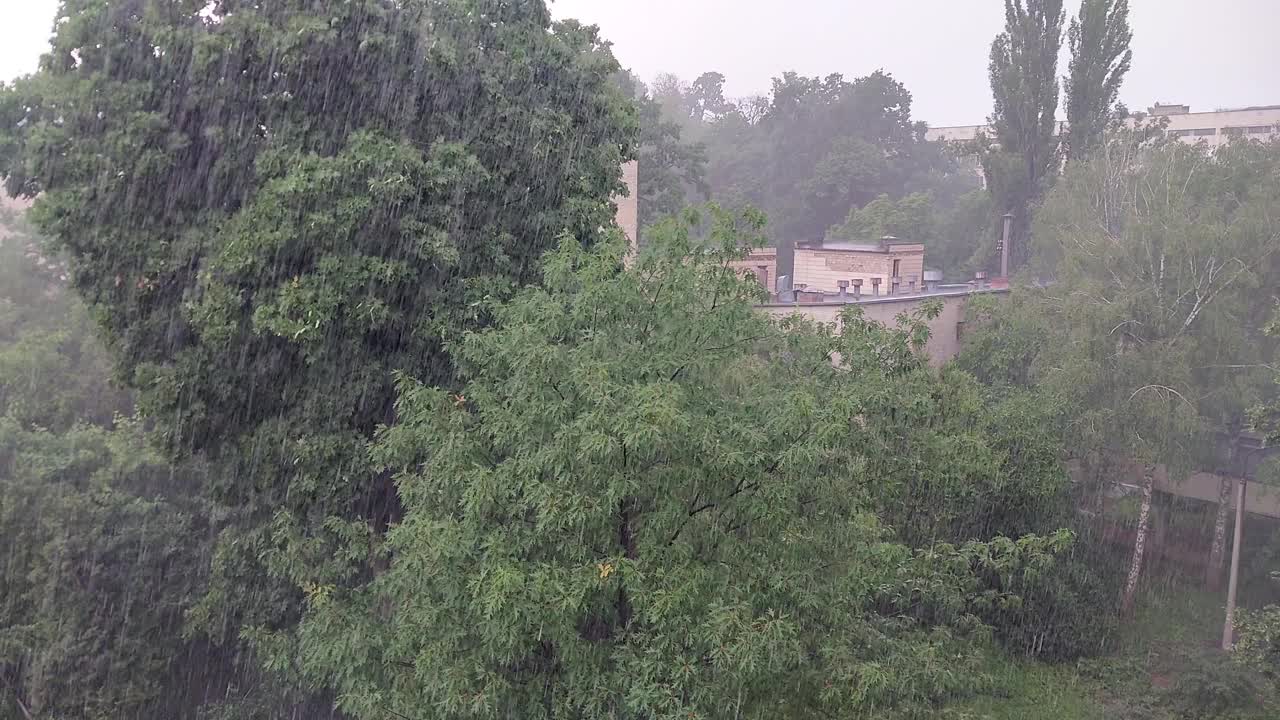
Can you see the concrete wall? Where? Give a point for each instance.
(823, 268)
(1258, 499)
(628, 207)
(763, 264)
(945, 331)
(1216, 128)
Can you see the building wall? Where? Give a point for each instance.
(822, 268)
(1213, 128)
(945, 331)
(761, 262)
(628, 208)
(1216, 128)
(1259, 499)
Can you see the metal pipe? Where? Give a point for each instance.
(1004, 245)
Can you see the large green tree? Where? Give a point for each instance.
(271, 208)
(1099, 39)
(1024, 86)
(650, 500)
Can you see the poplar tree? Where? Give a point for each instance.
(1099, 39)
(1024, 86)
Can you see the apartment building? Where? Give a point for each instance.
(1212, 128)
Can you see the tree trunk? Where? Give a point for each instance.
(1237, 547)
(1139, 540)
(1217, 554)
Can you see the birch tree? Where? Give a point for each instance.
(1164, 260)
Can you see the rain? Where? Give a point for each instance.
(564, 360)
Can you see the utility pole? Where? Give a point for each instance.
(1004, 245)
(1229, 628)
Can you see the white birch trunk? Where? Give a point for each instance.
(1139, 540)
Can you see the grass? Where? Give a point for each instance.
(1032, 690)
(1164, 657)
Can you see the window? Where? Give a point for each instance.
(1180, 133)
(1204, 132)
(1260, 129)
(897, 266)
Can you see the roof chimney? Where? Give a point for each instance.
(857, 288)
(844, 288)
(932, 278)
(875, 287)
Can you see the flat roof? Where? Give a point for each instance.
(942, 292)
(859, 247)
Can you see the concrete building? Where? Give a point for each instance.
(878, 267)
(627, 208)
(1213, 128)
(946, 331)
(762, 264)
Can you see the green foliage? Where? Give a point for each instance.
(812, 152)
(1099, 39)
(1162, 666)
(1265, 416)
(1211, 688)
(672, 171)
(271, 208)
(1165, 267)
(649, 500)
(1005, 337)
(107, 544)
(1258, 641)
(911, 217)
(1024, 86)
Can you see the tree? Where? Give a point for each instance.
(911, 218)
(107, 545)
(707, 93)
(644, 502)
(1162, 257)
(672, 171)
(1099, 40)
(821, 147)
(271, 208)
(1024, 85)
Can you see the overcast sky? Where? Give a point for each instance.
(1206, 53)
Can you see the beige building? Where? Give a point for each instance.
(762, 264)
(875, 268)
(1213, 128)
(946, 331)
(627, 208)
